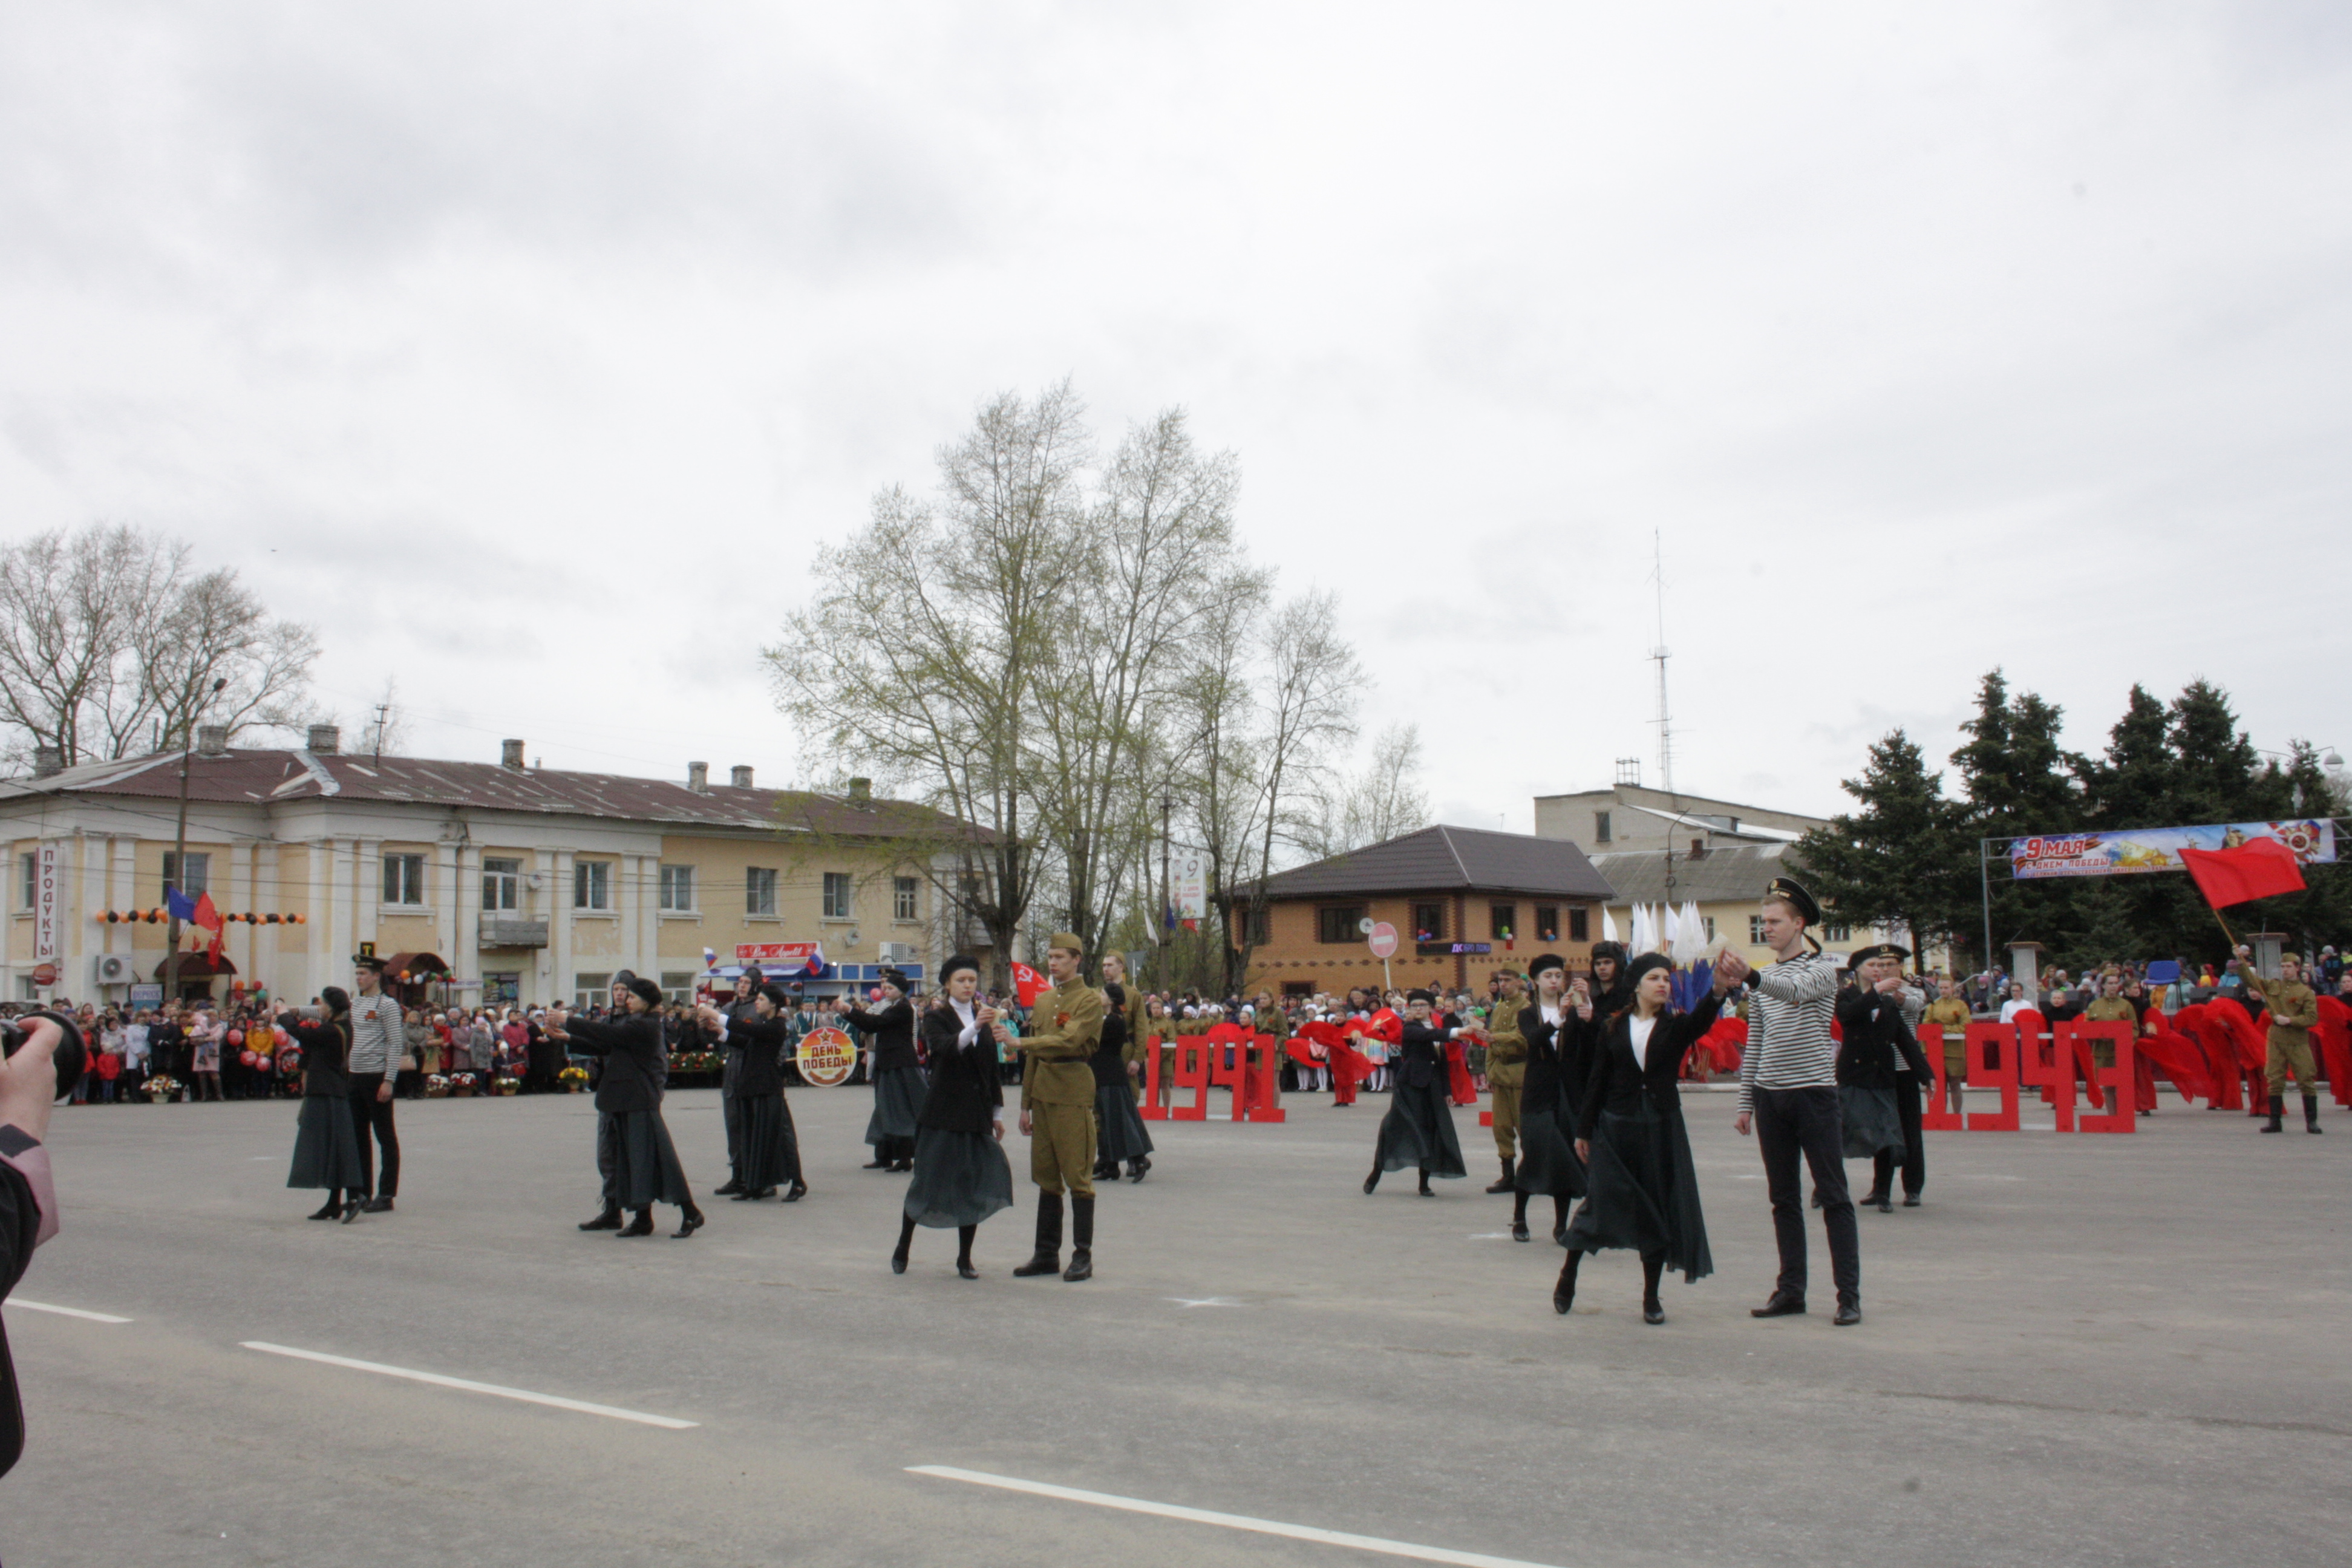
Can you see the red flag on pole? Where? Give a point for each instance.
(1027, 983)
(209, 917)
(2255, 870)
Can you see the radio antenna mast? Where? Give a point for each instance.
(1658, 654)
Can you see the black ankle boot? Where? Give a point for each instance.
(1519, 1218)
(1371, 1181)
(1426, 1191)
(1139, 1167)
(906, 1241)
(332, 1209)
(689, 1220)
(1047, 1258)
(964, 1235)
(1510, 1172)
(1563, 1292)
(642, 1224)
(2311, 1113)
(1653, 1266)
(2278, 1109)
(1082, 1240)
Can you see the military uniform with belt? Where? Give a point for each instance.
(2110, 1008)
(1506, 1067)
(2295, 1013)
(1057, 1099)
(1951, 1014)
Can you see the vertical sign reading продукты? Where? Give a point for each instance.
(44, 904)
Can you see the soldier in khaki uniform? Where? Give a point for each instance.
(1057, 1107)
(1950, 1013)
(2295, 1013)
(1506, 1067)
(2111, 1007)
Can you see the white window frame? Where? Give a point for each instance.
(757, 879)
(586, 996)
(673, 892)
(396, 868)
(906, 898)
(28, 880)
(846, 885)
(501, 875)
(592, 886)
(200, 861)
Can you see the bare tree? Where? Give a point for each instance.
(109, 646)
(1373, 803)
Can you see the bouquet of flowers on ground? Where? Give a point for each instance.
(289, 1060)
(695, 1061)
(508, 1085)
(436, 1087)
(162, 1087)
(572, 1078)
(462, 1084)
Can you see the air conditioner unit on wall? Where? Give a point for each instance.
(114, 969)
(900, 952)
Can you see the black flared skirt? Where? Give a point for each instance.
(1548, 1161)
(1119, 1132)
(644, 1162)
(768, 1153)
(1419, 1131)
(897, 1100)
(1871, 1121)
(961, 1178)
(326, 1146)
(1644, 1192)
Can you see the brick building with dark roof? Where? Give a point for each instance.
(1464, 901)
(496, 881)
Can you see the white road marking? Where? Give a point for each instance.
(1204, 1301)
(668, 1423)
(1490, 1235)
(1229, 1521)
(65, 1312)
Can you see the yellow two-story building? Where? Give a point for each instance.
(482, 881)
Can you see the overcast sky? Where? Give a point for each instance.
(528, 350)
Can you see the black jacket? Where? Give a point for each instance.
(965, 1085)
(755, 1048)
(1110, 1051)
(1615, 1082)
(326, 1055)
(893, 1029)
(20, 1225)
(1421, 1056)
(634, 1062)
(1875, 1034)
(1553, 1059)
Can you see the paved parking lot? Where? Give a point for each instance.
(2084, 1349)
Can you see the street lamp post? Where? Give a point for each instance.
(178, 882)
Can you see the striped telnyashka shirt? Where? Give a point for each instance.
(1788, 1028)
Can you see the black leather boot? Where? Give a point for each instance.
(1652, 1264)
(689, 1220)
(2278, 1109)
(1426, 1191)
(1047, 1258)
(906, 1241)
(1510, 1172)
(609, 1220)
(965, 1234)
(2311, 1113)
(1371, 1181)
(1519, 1218)
(332, 1209)
(1082, 1240)
(1139, 1167)
(1563, 1291)
(642, 1224)
(734, 1184)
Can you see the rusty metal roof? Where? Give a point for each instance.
(1445, 859)
(267, 777)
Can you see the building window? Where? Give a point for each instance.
(678, 985)
(1837, 933)
(1708, 921)
(836, 895)
(1547, 922)
(591, 884)
(677, 889)
(501, 988)
(759, 890)
(403, 879)
(1257, 925)
(1429, 923)
(904, 901)
(1502, 920)
(26, 991)
(1755, 931)
(1338, 923)
(200, 869)
(1601, 827)
(591, 991)
(1579, 925)
(29, 880)
(501, 890)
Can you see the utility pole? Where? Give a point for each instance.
(1167, 885)
(1666, 720)
(178, 880)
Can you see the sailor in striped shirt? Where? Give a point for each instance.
(1788, 1095)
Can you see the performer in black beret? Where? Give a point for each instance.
(1418, 1130)
(1879, 1070)
(1644, 1189)
(730, 1076)
(1548, 1161)
(766, 1154)
(326, 1139)
(960, 1174)
(897, 1076)
(634, 1145)
(1120, 1133)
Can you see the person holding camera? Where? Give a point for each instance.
(41, 1051)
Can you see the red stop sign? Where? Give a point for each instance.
(1382, 939)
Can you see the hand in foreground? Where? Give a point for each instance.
(1584, 1149)
(28, 1080)
(1027, 1127)
(1742, 1122)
